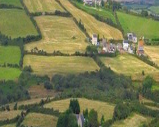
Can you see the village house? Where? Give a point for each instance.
(131, 49)
(132, 37)
(80, 120)
(95, 39)
(95, 2)
(119, 47)
(140, 50)
(125, 45)
(88, 2)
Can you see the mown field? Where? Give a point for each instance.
(43, 5)
(40, 120)
(141, 26)
(135, 120)
(130, 66)
(16, 23)
(91, 24)
(11, 2)
(9, 73)
(59, 33)
(9, 54)
(43, 65)
(102, 108)
(154, 9)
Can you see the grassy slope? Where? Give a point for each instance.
(40, 120)
(62, 65)
(141, 26)
(154, 9)
(9, 54)
(131, 66)
(58, 33)
(16, 23)
(42, 5)
(91, 24)
(11, 2)
(102, 108)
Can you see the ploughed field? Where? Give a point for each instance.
(91, 24)
(59, 34)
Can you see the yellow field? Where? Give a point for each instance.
(102, 108)
(91, 24)
(59, 33)
(130, 66)
(9, 114)
(42, 5)
(135, 120)
(153, 53)
(42, 65)
(40, 120)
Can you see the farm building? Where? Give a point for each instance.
(94, 39)
(140, 50)
(132, 37)
(125, 45)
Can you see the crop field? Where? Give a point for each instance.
(43, 65)
(154, 9)
(91, 24)
(141, 26)
(102, 108)
(9, 54)
(59, 34)
(11, 2)
(39, 120)
(9, 73)
(130, 66)
(16, 23)
(135, 120)
(43, 5)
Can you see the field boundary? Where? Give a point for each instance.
(5, 6)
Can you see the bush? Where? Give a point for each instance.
(48, 85)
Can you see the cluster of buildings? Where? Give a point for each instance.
(131, 45)
(92, 2)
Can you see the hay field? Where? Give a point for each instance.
(131, 66)
(9, 54)
(135, 120)
(59, 33)
(11, 2)
(40, 120)
(102, 108)
(91, 24)
(43, 65)
(42, 5)
(16, 23)
(141, 26)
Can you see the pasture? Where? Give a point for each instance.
(135, 120)
(102, 108)
(59, 34)
(40, 120)
(139, 25)
(9, 54)
(43, 65)
(15, 23)
(130, 66)
(154, 9)
(11, 2)
(42, 5)
(7, 73)
(91, 24)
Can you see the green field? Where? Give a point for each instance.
(154, 9)
(102, 108)
(16, 23)
(44, 65)
(11, 2)
(130, 66)
(141, 26)
(104, 13)
(9, 125)
(9, 73)
(40, 120)
(42, 5)
(9, 54)
(59, 33)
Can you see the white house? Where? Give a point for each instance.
(94, 39)
(80, 120)
(88, 2)
(125, 45)
(132, 37)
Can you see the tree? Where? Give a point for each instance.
(93, 118)
(15, 106)
(74, 106)
(7, 108)
(102, 3)
(148, 82)
(102, 120)
(85, 113)
(48, 85)
(144, 13)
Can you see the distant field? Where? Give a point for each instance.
(91, 24)
(102, 108)
(135, 120)
(130, 66)
(9, 54)
(11, 2)
(39, 120)
(154, 9)
(42, 5)
(16, 23)
(141, 26)
(9, 73)
(43, 65)
(59, 33)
